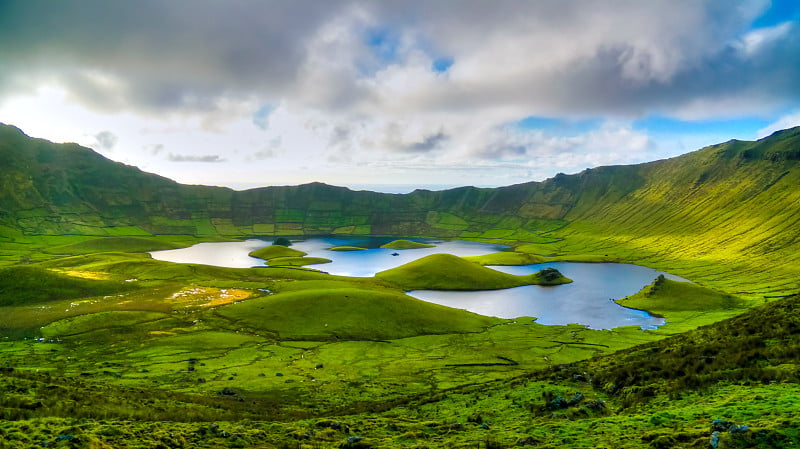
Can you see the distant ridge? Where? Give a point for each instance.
(737, 202)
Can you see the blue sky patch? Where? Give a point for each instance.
(740, 128)
(441, 65)
(383, 43)
(261, 116)
(560, 126)
(780, 11)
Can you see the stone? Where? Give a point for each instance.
(719, 425)
(576, 399)
(714, 439)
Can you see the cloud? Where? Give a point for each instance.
(192, 158)
(408, 84)
(787, 121)
(429, 143)
(564, 58)
(105, 141)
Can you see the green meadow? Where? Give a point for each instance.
(101, 346)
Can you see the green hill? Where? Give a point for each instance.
(448, 272)
(30, 285)
(405, 244)
(351, 314)
(718, 213)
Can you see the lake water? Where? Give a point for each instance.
(588, 300)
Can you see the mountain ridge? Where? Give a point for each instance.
(733, 204)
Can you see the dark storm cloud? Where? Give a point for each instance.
(429, 143)
(616, 57)
(158, 54)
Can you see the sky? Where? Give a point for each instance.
(393, 95)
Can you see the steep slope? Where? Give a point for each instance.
(709, 215)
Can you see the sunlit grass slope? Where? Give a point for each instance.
(113, 244)
(29, 285)
(717, 216)
(727, 215)
(685, 305)
(351, 314)
(448, 272)
(275, 251)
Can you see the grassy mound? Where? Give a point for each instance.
(28, 285)
(275, 251)
(448, 272)
(347, 248)
(685, 305)
(406, 244)
(296, 261)
(507, 258)
(351, 314)
(113, 244)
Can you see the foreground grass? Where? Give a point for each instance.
(198, 356)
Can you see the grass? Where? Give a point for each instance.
(405, 244)
(350, 314)
(296, 261)
(113, 244)
(191, 356)
(25, 285)
(275, 251)
(507, 258)
(448, 272)
(347, 248)
(685, 305)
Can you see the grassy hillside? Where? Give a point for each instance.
(102, 346)
(31, 285)
(713, 215)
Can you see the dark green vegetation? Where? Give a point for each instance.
(103, 347)
(447, 272)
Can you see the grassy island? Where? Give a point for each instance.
(406, 244)
(275, 251)
(448, 272)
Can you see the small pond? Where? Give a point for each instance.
(588, 300)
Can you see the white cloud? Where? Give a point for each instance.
(787, 121)
(344, 91)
